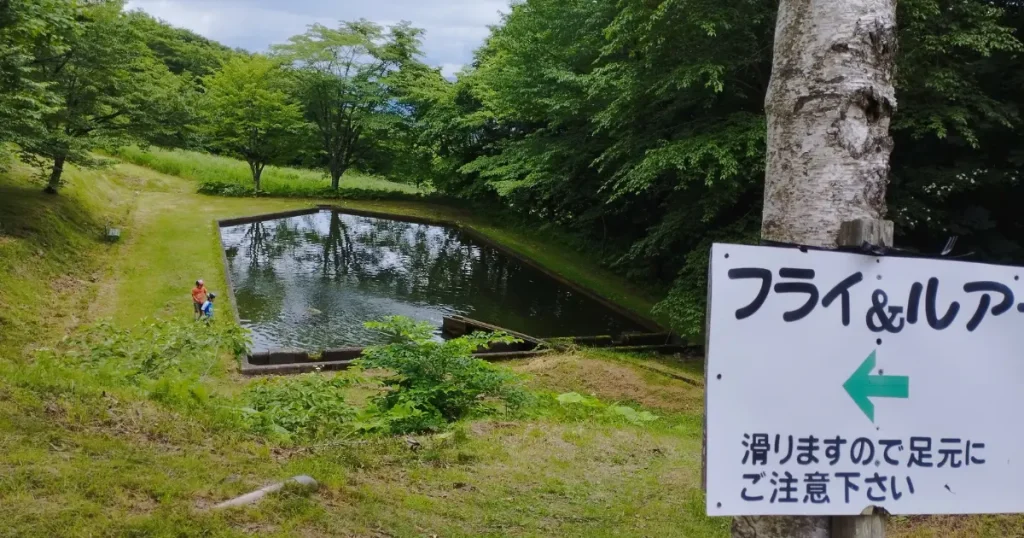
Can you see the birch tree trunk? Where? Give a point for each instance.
(829, 104)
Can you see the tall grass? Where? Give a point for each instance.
(212, 170)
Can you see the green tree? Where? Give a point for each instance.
(183, 51)
(249, 113)
(341, 76)
(29, 29)
(190, 57)
(407, 150)
(109, 90)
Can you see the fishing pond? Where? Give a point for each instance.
(311, 281)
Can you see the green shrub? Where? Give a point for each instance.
(305, 407)
(433, 384)
(219, 188)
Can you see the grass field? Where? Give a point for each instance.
(80, 456)
(279, 181)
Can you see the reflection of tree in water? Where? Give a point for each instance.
(338, 249)
(422, 263)
(258, 289)
(256, 244)
(430, 265)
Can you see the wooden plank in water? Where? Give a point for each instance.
(453, 327)
(476, 325)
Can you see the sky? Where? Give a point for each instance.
(455, 28)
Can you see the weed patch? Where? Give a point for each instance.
(306, 407)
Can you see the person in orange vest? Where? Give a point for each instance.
(198, 298)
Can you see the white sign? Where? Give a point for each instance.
(840, 381)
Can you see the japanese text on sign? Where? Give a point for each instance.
(838, 381)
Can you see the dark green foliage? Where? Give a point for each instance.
(306, 407)
(108, 89)
(959, 144)
(638, 125)
(183, 52)
(29, 30)
(226, 189)
(190, 57)
(435, 383)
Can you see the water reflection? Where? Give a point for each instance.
(311, 281)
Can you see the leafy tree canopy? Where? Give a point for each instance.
(249, 114)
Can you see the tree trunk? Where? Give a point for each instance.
(336, 173)
(257, 173)
(828, 104)
(55, 174)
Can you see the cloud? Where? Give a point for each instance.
(450, 70)
(454, 28)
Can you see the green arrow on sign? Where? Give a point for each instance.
(862, 385)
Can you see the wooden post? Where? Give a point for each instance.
(856, 233)
(871, 524)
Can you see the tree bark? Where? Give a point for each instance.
(257, 173)
(336, 173)
(55, 174)
(829, 104)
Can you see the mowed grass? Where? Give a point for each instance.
(82, 459)
(281, 181)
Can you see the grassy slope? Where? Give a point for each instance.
(75, 461)
(49, 250)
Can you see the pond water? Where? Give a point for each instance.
(309, 282)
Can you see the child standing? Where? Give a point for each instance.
(207, 308)
(198, 298)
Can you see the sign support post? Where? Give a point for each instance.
(855, 233)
